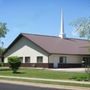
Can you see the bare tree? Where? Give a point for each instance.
(82, 27)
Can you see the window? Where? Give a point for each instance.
(27, 59)
(62, 59)
(39, 59)
(21, 58)
(86, 60)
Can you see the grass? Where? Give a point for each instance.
(46, 74)
(42, 73)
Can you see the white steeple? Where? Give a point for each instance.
(62, 35)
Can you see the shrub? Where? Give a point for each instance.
(1, 64)
(14, 63)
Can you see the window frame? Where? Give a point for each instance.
(64, 59)
(40, 58)
(27, 61)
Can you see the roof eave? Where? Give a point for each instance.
(69, 54)
(19, 36)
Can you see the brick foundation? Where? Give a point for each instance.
(69, 65)
(44, 65)
(49, 65)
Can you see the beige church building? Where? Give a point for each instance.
(48, 51)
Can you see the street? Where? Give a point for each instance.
(5, 86)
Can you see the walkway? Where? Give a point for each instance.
(69, 69)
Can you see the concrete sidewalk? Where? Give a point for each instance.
(63, 87)
(41, 79)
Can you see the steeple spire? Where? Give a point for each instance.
(62, 25)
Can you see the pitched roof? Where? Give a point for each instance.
(56, 45)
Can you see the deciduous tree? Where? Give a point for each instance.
(82, 27)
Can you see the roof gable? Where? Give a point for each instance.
(18, 38)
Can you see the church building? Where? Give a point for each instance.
(48, 51)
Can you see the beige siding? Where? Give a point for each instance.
(70, 59)
(74, 59)
(24, 48)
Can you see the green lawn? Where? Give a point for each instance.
(42, 73)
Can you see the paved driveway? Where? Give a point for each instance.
(69, 69)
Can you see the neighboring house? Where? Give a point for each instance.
(48, 51)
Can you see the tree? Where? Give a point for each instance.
(14, 63)
(3, 32)
(2, 50)
(3, 29)
(82, 27)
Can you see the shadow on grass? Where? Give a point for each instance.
(6, 69)
(19, 73)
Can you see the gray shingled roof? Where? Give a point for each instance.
(56, 45)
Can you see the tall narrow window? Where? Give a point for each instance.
(62, 59)
(39, 59)
(27, 59)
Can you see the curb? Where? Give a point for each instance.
(52, 80)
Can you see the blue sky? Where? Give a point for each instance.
(40, 16)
